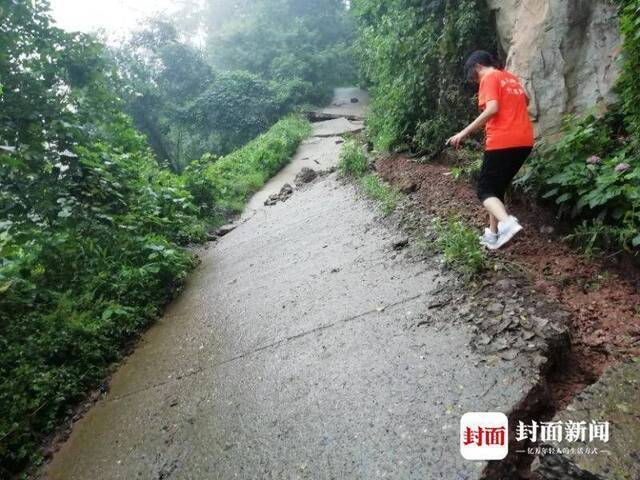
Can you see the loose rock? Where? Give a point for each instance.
(495, 308)
(305, 175)
(510, 354)
(400, 243)
(285, 192)
(225, 229)
(506, 284)
(407, 185)
(614, 399)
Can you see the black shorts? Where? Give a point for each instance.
(498, 169)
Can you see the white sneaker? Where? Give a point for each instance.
(489, 238)
(507, 229)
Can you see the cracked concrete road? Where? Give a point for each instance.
(294, 353)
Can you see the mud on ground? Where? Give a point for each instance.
(597, 300)
(602, 296)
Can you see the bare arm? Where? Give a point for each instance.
(491, 110)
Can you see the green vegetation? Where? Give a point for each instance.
(412, 54)
(353, 159)
(384, 193)
(460, 247)
(222, 186)
(458, 243)
(92, 225)
(161, 77)
(261, 60)
(592, 173)
(303, 46)
(470, 164)
(629, 84)
(112, 160)
(354, 163)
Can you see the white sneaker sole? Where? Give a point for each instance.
(503, 239)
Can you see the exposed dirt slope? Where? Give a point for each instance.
(602, 295)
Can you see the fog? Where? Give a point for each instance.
(113, 16)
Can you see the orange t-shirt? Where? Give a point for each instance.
(511, 126)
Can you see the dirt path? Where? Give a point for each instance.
(305, 346)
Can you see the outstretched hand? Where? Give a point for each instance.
(456, 140)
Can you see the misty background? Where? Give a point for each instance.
(206, 76)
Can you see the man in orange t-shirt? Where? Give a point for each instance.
(509, 141)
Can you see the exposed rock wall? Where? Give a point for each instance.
(565, 51)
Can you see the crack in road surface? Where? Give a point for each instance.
(268, 346)
(336, 398)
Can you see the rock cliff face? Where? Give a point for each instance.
(565, 51)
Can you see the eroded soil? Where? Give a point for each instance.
(601, 294)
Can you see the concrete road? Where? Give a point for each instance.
(294, 353)
(343, 103)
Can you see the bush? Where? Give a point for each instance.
(238, 105)
(222, 186)
(412, 54)
(460, 246)
(261, 60)
(91, 227)
(629, 85)
(470, 165)
(73, 291)
(592, 173)
(78, 276)
(303, 44)
(353, 160)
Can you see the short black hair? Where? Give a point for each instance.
(479, 57)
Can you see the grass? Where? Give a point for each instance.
(460, 246)
(457, 242)
(223, 185)
(376, 189)
(354, 163)
(353, 160)
(595, 238)
(470, 167)
(469, 170)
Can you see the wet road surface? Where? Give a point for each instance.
(293, 353)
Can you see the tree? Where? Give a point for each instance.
(89, 225)
(160, 75)
(270, 57)
(411, 53)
